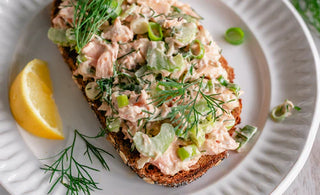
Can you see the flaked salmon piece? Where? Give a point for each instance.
(84, 70)
(137, 103)
(132, 113)
(100, 55)
(169, 163)
(186, 8)
(93, 50)
(174, 22)
(104, 68)
(219, 141)
(204, 36)
(65, 15)
(129, 129)
(118, 32)
(160, 6)
(134, 53)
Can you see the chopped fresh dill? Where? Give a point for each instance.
(185, 115)
(89, 16)
(191, 68)
(142, 15)
(130, 52)
(174, 89)
(70, 172)
(158, 15)
(105, 86)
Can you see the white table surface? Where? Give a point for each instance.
(308, 181)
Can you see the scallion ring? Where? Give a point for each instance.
(201, 51)
(93, 91)
(155, 31)
(277, 113)
(280, 112)
(234, 35)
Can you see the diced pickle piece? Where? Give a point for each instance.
(154, 146)
(187, 152)
(187, 33)
(58, 36)
(122, 101)
(155, 56)
(198, 135)
(176, 63)
(114, 125)
(157, 60)
(202, 107)
(229, 123)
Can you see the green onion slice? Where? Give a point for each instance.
(244, 135)
(92, 91)
(201, 51)
(155, 31)
(122, 101)
(116, 7)
(222, 81)
(233, 87)
(282, 111)
(234, 36)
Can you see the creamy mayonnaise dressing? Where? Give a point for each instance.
(125, 42)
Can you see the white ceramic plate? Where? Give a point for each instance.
(277, 61)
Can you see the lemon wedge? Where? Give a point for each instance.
(32, 102)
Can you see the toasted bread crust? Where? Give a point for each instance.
(149, 173)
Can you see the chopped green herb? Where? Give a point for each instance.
(185, 115)
(176, 9)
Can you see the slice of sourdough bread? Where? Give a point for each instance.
(149, 172)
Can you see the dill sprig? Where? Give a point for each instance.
(173, 90)
(185, 115)
(89, 16)
(310, 11)
(70, 172)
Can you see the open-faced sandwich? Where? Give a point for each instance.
(156, 81)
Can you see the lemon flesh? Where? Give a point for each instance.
(32, 103)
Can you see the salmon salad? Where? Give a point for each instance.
(157, 76)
